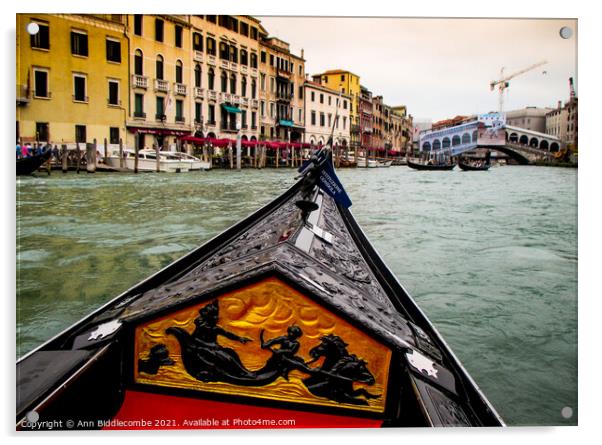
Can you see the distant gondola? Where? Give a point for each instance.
(28, 165)
(288, 314)
(468, 167)
(418, 166)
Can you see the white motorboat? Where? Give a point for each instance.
(361, 163)
(147, 161)
(193, 162)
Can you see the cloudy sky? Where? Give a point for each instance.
(439, 68)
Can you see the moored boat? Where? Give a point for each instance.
(28, 165)
(288, 314)
(421, 166)
(147, 161)
(469, 167)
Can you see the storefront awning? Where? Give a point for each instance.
(231, 109)
(286, 123)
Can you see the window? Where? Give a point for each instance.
(197, 42)
(330, 100)
(301, 92)
(79, 43)
(300, 70)
(271, 59)
(198, 112)
(345, 104)
(113, 50)
(42, 131)
(254, 120)
(262, 81)
(244, 29)
(210, 78)
(322, 120)
(253, 89)
(211, 114)
(272, 84)
(139, 105)
(159, 68)
(197, 75)
(243, 119)
(160, 108)
(263, 57)
(40, 83)
(224, 83)
(243, 86)
(244, 57)
(179, 110)
(253, 60)
(212, 18)
(321, 98)
(79, 88)
(114, 135)
(313, 117)
(210, 46)
(300, 115)
(41, 40)
(233, 54)
(80, 133)
(313, 96)
(344, 122)
(224, 52)
(262, 108)
(113, 92)
(159, 30)
(141, 140)
(329, 120)
(254, 34)
(178, 36)
(233, 83)
(272, 110)
(138, 24)
(342, 78)
(179, 72)
(138, 63)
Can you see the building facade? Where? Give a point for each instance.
(281, 91)
(72, 78)
(321, 105)
(365, 117)
(529, 118)
(378, 136)
(348, 83)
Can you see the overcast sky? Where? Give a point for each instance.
(439, 68)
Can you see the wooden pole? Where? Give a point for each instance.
(230, 155)
(210, 157)
(64, 158)
(78, 157)
(106, 161)
(91, 157)
(277, 156)
(157, 163)
(121, 153)
(136, 153)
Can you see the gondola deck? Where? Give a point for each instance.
(299, 317)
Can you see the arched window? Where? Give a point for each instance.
(474, 136)
(233, 54)
(138, 63)
(513, 137)
(466, 138)
(543, 145)
(426, 146)
(224, 85)
(159, 68)
(223, 50)
(244, 57)
(253, 60)
(253, 89)
(211, 79)
(197, 75)
(523, 140)
(456, 140)
(446, 142)
(233, 83)
(179, 71)
(436, 144)
(554, 147)
(243, 86)
(534, 142)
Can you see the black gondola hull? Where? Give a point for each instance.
(26, 166)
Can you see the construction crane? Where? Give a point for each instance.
(504, 83)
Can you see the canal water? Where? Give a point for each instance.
(491, 257)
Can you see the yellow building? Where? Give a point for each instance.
(349, 83)
(72, 78)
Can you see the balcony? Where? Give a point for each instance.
(283, 74)
(244, 69)
(22, 95)
(254, 72)
(180, 89)
(139, 81)
(355, 128)
(236, 99)
(198, 56)
(254, 103)
(161, 85)
(225, 97)
(160, 117)
(234, 66)
(244, 102)
(199, 93)
(211, 123)
(211, 95)
(211, 60)
(224, 64)
(284, 96)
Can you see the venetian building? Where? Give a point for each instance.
(366, 117)
(282, 75)
(72, 78)
(321, 105)
(377, 122)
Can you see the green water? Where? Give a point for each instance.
(491, 257)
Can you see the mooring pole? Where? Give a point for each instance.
(64, 158)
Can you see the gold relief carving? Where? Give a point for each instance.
(265, 340)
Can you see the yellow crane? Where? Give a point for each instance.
(504, 83)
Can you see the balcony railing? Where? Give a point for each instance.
(139, 81)
(236, 99)
(224, 64)
(211, 123)
(254, 103)
(161, 85)
(211, 95)
(211, 60)
(244, 102)
(355, 128)
(160, 117)
(254, 72)
(225, 97)
(284, 96)
(198, 56)
(180, 89)
(244, 69)
(199, 93)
